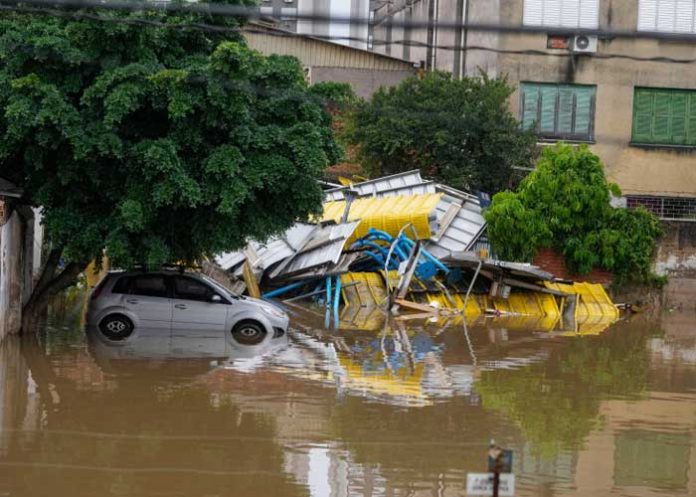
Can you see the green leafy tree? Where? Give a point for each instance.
(154, 144)
(565, 204)
(459, 131)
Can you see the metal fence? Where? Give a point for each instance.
(665, 208)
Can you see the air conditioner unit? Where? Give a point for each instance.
(584, 44)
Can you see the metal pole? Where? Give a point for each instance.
(471, 285)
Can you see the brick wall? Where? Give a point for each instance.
(554, 262)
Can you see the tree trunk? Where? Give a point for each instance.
(49, 284)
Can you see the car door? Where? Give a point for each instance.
(198, 325)
(148, 298)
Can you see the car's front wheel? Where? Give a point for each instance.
(249, 333)
(116, 327)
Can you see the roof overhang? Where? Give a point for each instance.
(9, 189)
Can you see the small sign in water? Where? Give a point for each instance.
(482, 484)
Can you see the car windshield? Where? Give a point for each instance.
(219, 287)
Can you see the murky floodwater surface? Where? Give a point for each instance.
(404, 410)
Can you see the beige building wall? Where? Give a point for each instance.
(639, 170)
(661, 171)
(365, 71)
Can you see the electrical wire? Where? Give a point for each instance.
(252, 13)
(139, 21)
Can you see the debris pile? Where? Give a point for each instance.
(415, 248)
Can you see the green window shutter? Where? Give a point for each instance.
(680, 101)
(547, 123)
(642, 115)
(662, 132)
(530, 105)
(566, 104)
(691, 120)
(583, 110)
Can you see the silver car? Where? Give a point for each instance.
(183, 306)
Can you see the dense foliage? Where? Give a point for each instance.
(156, 144)
(459, 131)
(565, 204)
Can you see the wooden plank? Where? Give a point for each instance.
(250, 280)
(416, 306)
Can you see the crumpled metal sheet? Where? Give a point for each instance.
(459, 220)
(321, 248)
(264, 255)
(461, 223)
(387, 185)
(301, 248)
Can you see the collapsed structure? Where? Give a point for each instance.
(403, 245)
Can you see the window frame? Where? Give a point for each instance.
(133, 279)
(211, 290)
(528, 9)
(556, 136)
(652, 143)
(643, 9)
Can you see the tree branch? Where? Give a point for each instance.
(48, 271)
(66, 278)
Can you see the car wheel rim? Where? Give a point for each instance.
(116, 326)
(249, 332)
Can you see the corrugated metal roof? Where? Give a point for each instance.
(322, 247)
(264, 255)
(388, 214)
(459, 219)
(407, 183)
(461, 223)
(314, 52)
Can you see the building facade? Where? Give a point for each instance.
(632, 99)
(285, 12)
(323, 60)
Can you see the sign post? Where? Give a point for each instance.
(499, 481)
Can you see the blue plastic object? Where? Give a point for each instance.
(283, 289)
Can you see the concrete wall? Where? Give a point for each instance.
(364, 81)
(21, 240)
(11, 276)
(676, 258)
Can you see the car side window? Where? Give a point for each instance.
(149, 285)
(122, 285)
(190, 289)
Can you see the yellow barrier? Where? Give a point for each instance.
(594, 310)
(592, 300)
(388, 214)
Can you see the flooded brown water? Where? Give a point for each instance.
(407, 410)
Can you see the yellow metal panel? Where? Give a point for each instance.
(388, 214)
(592, 300)
(370, 290)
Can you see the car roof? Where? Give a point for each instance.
(154, 273)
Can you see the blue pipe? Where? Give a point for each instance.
(368, 243)
(337, 296)
(427, 255)
(328, 292)
(383, 235)
(283, 289)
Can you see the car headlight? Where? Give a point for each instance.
(273, 311)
